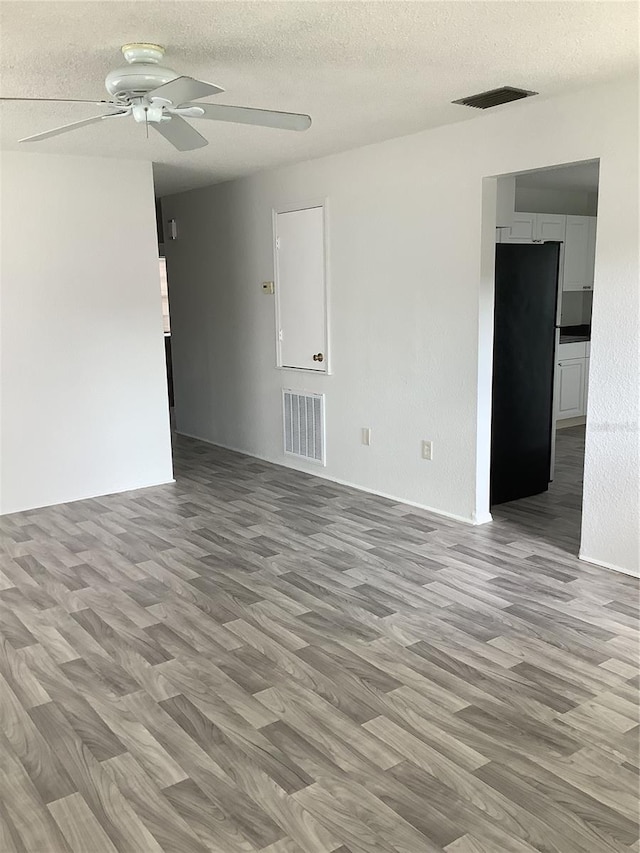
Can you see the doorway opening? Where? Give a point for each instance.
(166, 326)
(166, 316)
(543, 291)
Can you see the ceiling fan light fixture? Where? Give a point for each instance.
(144, 113)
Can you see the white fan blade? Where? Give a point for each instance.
(249, 115)
(97, 102)
(184, 89)
(67, 127)
(179, 133)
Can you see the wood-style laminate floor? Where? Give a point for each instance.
(257, 660)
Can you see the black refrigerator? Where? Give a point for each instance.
(526, 295)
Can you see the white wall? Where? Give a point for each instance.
(411, 267)
(548, 200)
(84, 404)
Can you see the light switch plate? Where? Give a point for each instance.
(427, 450)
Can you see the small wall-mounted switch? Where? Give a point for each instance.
(366, 436)
(427, 450)
(268, 288)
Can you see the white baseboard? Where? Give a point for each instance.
(604, 565)
(87, 497)
(482, 519)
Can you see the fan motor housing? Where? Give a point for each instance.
(134, 81)
(141, 75)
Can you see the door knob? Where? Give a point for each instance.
(318, 357)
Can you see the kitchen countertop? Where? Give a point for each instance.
(575, 334)
(573, 339)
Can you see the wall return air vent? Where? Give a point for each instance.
(494, 97)
(303, 425)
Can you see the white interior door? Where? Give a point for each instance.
(300, 289)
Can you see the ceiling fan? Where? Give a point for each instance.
(162, 99)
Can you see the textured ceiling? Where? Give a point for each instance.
(363, 71)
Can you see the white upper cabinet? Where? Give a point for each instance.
(521, 230)
(577, 233)
(591, 249)
(534, 227)
(300, 289)
(579, 253)
(550, 227)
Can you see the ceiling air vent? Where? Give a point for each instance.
(494, 97)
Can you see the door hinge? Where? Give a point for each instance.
(280, 335)
(277, 242)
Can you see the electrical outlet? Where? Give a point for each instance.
(268, 288)
(427, 450)
(366, 436)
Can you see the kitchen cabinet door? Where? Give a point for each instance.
(550, 226)
(586, 384)
(591, 250)
(521, 230)
(579, 253)
(534, 227)
(571, 388)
